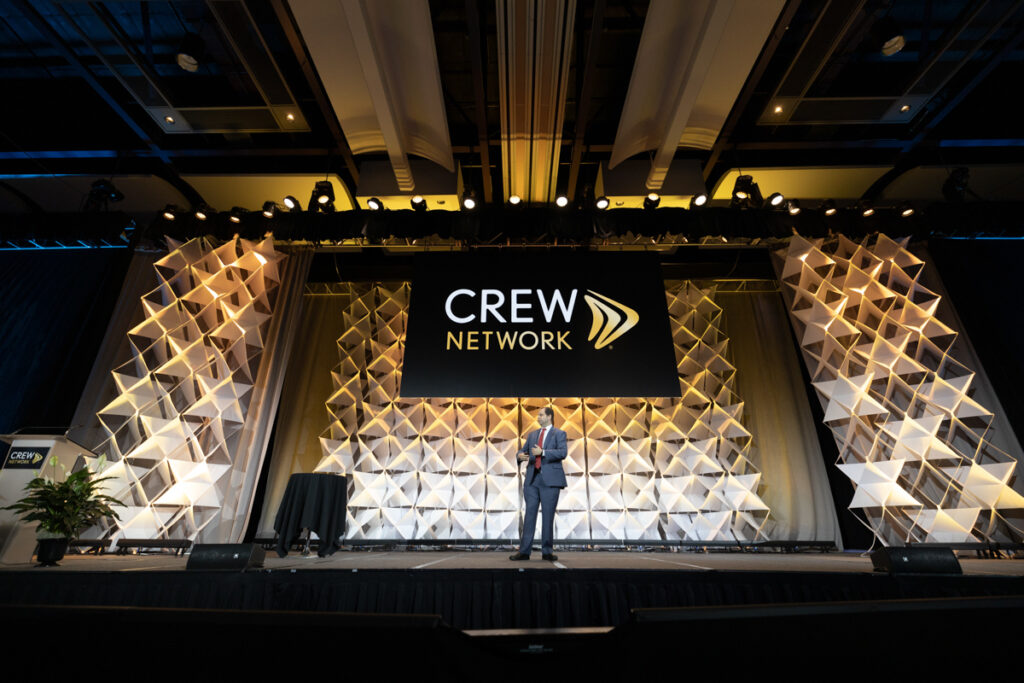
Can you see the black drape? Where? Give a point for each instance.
(55, 308)
(983, 281)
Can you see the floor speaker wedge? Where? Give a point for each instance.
(233, 556)
(916, 560)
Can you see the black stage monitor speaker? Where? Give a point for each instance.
(916, 560)
(236, 556)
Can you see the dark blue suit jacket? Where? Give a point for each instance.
(555, 450)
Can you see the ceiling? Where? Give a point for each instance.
(392, 98)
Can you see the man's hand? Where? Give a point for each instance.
(537, 450)
(522, 457)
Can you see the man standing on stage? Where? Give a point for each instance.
(545, 450)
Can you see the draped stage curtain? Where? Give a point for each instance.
(771, 385)
(237, 505)
(302, 415)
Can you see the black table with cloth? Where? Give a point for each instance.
(315, 502)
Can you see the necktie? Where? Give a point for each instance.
(540, 444)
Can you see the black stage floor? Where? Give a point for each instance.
(442, 609)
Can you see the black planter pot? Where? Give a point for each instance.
(51, 550)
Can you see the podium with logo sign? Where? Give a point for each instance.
(25, 457)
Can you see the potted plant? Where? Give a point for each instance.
(63, 508)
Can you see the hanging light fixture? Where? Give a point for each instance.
(323, 191)
(191, 52)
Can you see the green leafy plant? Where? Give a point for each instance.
(64, 508)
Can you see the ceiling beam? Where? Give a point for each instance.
(697, 65)
(291, 32)
(166, 171)
(534, 49)
(750, 87)
(906, 159)
(583, 106)
(476, 50)
(48, 32)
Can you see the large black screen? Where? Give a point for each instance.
(546, 324)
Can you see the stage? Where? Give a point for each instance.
(455, 612)
(417, 560)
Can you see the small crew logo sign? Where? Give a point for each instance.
(568, 324)
(25, 457)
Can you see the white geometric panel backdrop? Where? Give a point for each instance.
(911, 439)
(183, 396)
(445, 468)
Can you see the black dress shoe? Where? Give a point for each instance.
(518, 556)
(550, 557)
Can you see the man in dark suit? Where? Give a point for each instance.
(544, 451)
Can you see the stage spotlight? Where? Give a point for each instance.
(698, 200)
(954, 189)
(906, 210)
(652, 200)
(203, 212)
(793, 206)
(775, 199)
(469, 200)
(418, 203)
(103, 190)
(269, 209)
(327, 208)
(866, 208)
(292, 203)
(324, 192)
(562, 201)
(190, 52)
(236, 214)
(169, 211)
(515, 200)
(741, 188)
(374, 204)
(602, 203)
(828, 207)
(745, 192)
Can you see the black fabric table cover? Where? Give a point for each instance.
(315, 502)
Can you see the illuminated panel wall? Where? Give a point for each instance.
(183, 395)
(910, 437)
(659, 469)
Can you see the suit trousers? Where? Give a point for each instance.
(536, 492)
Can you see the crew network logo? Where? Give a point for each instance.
(611, 319)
